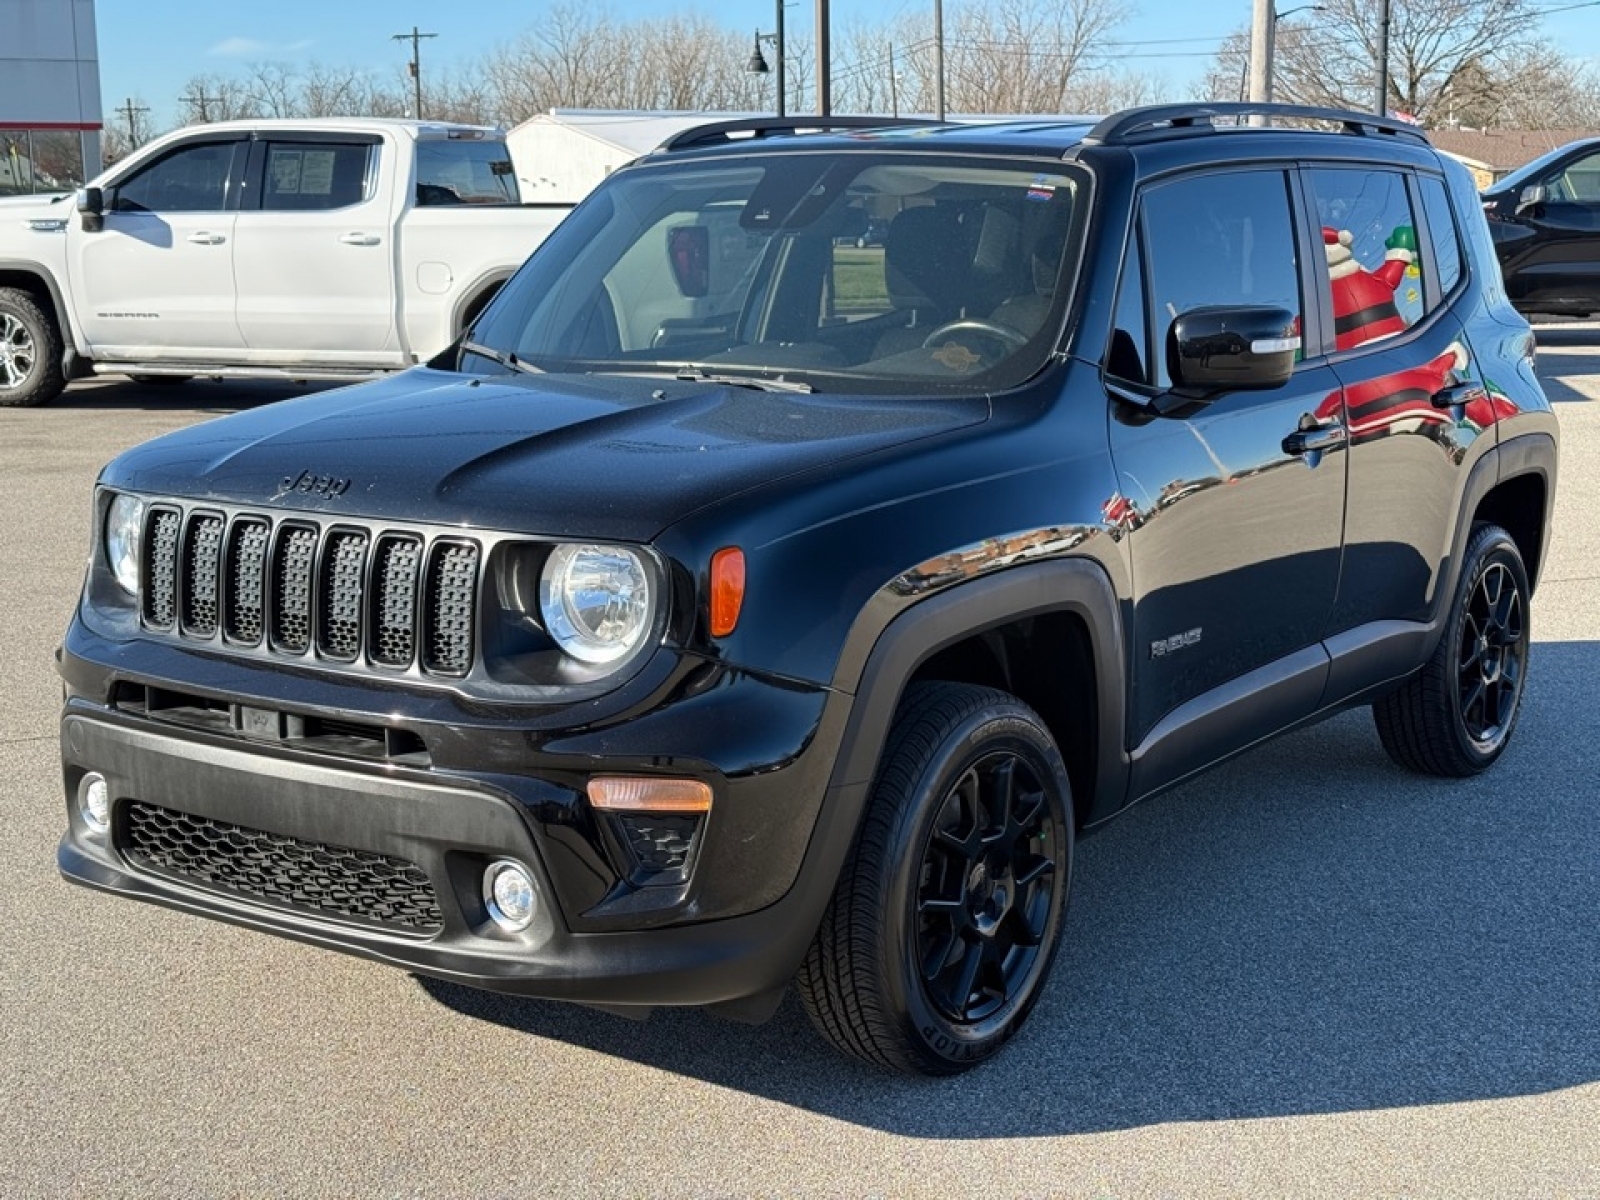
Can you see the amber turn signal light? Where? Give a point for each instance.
(727, 589)
(638, 793)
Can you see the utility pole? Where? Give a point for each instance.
(198, 103)
(938, 58)
(894, 86)
(783, 100)
(1261, 32)
(1383, 59)
(415, 38)
(824, 68)
(131, 112)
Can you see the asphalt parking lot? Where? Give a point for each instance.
(1306, 974)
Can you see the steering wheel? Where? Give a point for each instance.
(1004, 333)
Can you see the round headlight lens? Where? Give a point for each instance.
(123, 521)
(595, 601)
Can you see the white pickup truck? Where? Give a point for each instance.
(290, 249)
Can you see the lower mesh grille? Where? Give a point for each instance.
(357, 885)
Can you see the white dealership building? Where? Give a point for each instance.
(50, 115)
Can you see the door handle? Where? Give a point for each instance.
(1314, 440)
(360, 239)
(1459, 395)
(202, 238)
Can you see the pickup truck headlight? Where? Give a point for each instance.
(124, 520)
(596, 601)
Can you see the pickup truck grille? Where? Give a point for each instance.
(397, 600)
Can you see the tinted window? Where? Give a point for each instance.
(192, 179)
(1223, 239)
(1370, 240)
(1442, 230)
(1578, 182)
(465, 172)
(311, 177)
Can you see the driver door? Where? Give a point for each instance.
(157, 281)
(1234, 511)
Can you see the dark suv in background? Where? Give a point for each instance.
(1545, 220)
(737, 604)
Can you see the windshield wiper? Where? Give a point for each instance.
(510, 361)
(758, 382)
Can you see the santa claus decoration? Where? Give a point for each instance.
(1363, 300)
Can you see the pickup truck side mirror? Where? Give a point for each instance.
(1531, 197)
(1225, 349)
(91, 203)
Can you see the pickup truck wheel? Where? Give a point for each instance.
(941, 931)
(30, 352)
(1456, 715)
(160, 380)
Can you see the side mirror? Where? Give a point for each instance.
(1218, 349)
(91, 203)
(1532, 197)
(689, 252)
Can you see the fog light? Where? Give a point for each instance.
(508, 894)
(94, 802)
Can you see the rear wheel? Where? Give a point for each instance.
(1455, 717)
(30, 352)
(941, 932)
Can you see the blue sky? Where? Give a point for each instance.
(151, 48)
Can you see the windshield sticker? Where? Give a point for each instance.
(1041, 188)
(956, 357)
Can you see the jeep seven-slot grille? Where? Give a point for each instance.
(395, 600)
(358, 885)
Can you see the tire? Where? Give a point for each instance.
(30, 352)
(160, 380)
(1455, 717)
(941, 931)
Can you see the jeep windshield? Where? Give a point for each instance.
(869, 272)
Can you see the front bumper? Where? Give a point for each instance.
(736, 927)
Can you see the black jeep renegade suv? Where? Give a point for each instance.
(738, 603)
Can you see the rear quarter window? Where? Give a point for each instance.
(465, 172)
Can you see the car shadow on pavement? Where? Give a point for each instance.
(200, 395)
(1307, 929)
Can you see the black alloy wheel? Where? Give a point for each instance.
(942, 928)
(984, 902)
(1455, 716)
(1493, 656)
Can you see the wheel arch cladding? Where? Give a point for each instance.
(990, 630)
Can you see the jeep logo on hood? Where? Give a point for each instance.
(313, 484)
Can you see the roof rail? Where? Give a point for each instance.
(722, 132)
(1156, 121)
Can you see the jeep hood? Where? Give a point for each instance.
(616, 458)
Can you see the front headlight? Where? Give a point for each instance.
(596, 601)
(124, 519)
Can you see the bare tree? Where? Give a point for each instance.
(275, 91)
(216, 98)
(1440, 53)
(1001, 56)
